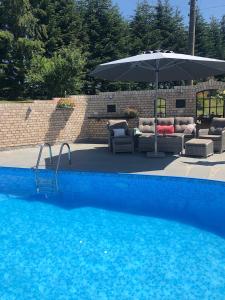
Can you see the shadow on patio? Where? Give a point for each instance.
(99, 159)
(205, 163)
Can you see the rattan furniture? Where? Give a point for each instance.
(216, 133)
(167, 143)
(146, 129)
(122, 143)
(199, 147)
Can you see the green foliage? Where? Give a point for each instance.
(159, 27)
(202, 36)
(51, 77)
(169, 28)
(48, 47)
(215, 48)
(107, 36)
(142, 28)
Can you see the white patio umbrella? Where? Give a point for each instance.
(159, 66)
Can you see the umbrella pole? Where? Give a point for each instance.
(155, 109)
(156, 154)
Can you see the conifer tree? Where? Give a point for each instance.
(18, 29)
(107, 37)
(215, 48)
(169, 29)
(201, 36)
(142, 27)
(222, 30)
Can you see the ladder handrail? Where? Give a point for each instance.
(60, 154)
(40, 153)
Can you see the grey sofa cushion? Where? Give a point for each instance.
(217, 126)
(213, 137)
(147, 125)
(165, 121)
(182, 122)
(146, 135)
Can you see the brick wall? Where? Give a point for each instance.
(32, 123)
(23, 124)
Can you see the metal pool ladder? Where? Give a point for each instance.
(43, 183)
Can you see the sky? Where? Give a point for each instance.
(208, 8)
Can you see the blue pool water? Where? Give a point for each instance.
(108, 236)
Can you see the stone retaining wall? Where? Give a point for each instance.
(25, 124)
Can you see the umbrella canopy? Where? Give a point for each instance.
(159, 66)
(171, 67)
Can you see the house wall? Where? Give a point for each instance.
(23, 124)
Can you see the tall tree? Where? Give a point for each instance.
(18, 28)
(107, 37)
(202, 42)
(142, 27)
(169, 29)
(222, 30)
(61, 22)
(215, 48)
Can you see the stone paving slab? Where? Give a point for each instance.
(97, 158)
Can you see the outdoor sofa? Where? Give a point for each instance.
(177, 128)
(216, 133)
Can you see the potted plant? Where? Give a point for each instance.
(131, 112)
(66, 103)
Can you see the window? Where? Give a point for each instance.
(111, 108)
(161, 107)
(180, 103)
(208, 104)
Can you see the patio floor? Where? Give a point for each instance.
(95, 157)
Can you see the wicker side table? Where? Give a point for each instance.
(199, 147)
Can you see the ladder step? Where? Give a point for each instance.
(42, 189)
(45, 182)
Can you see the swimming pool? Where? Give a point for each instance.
(111, 236)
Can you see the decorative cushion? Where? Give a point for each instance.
(146, 125)
(182, 122)
(118, 132)
(189, 129)
(112, 124)
(165, 129)
(217, 126)
(215, 131)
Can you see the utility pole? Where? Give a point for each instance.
(192, 24)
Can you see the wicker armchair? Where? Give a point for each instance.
(121, 143)
(216, 133)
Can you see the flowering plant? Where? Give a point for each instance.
(65, 103)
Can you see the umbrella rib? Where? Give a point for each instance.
(219, 69)
(124, 73)
(147, 67)
(184, 71)
(167, 66)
